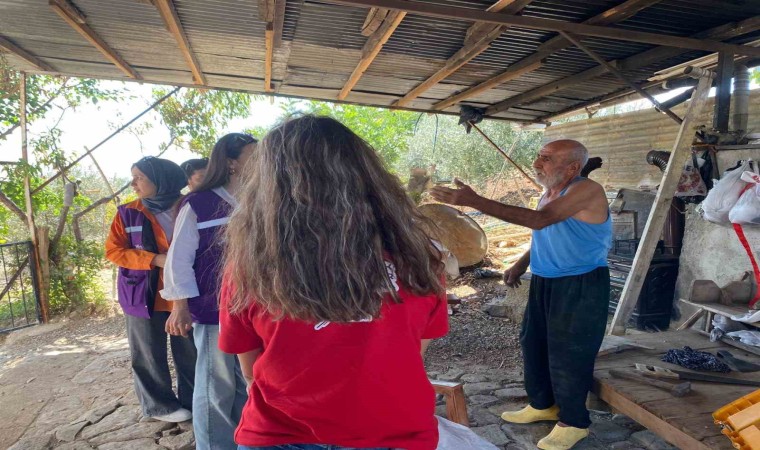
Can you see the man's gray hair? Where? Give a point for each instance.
(579, 153)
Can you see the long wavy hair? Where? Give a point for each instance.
(318, 218)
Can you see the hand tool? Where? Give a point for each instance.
(676, 390)
(660, 372)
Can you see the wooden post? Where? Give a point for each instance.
(39, 257)
(722, 108)
(651, 235)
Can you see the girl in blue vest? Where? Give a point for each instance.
(138, 242)
(192, 273)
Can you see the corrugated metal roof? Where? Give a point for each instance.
(322, 44)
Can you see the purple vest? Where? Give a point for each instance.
(213, 213)
(137, 288)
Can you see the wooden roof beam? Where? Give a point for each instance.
(171, 19)
(479, 38)
(474, 15)
(617, 14)
(273, 13)
(371, 49)
(637, 61)
(10, 47)
(71, 15)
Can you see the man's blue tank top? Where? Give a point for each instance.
(570, 247)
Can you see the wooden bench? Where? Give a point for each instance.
(456, 405)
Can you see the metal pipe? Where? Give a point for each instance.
(740, 112)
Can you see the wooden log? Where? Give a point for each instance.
(171, 19)
(269, 43)
(9, 46)
(651, 235)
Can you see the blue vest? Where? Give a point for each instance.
(571, 247)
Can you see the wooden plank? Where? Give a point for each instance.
(171, 19)
(371, 49)
(473, 15)
(375, 18)
(662, 428)
(279, 21)
(723, 310)
(612, 69)
(639, 60)
(515, 71)
(456, 405)
(691, 320)
(534, 61)
(478, 30)
(8, 45)
(61, 8)
(651, 235)
(269, 44)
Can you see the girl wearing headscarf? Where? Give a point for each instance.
(192, 270)
(137, 243)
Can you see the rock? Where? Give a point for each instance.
(474, 378)
(68, 433)
(97, 414)
(121, 418)
(142, 444)
(35, 442)
(512, 393)
(451, 375)
(484, 401)
(526, 436)
(440, 411)
(133, 432)
(78, 445)
(171, 432)
(497, 307)
(483, 417)
(492, 433)
(433, 375)
(184, 441)
(625, 421)
(609, 432)
(186, 425)
(480, 388)
(625, 445)
(650, 441)
(101, 367)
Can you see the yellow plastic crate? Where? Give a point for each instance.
(740, 421)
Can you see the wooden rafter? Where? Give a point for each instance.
(479, 38)
(9, 46)
(474, 15)
(371, 49)
(171, 19)
(619, 13)
(273, 13)
(77, 21)
(637, 61)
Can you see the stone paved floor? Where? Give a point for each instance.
(68, 386)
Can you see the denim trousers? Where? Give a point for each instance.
(220, 392)
(150, 365)
(308, 447)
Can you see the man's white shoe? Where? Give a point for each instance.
(180, 415)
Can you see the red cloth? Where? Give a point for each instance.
(360, 384)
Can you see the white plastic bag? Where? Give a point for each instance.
(452, 436)
(724, 194)
(747, 208)
(749, 337)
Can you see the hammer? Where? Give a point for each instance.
(676, 390)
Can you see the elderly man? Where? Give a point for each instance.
(566, 314)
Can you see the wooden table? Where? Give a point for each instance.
(684, 422)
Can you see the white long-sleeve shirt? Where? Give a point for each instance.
(179, 276)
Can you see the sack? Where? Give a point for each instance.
(725, 194)
(746, 211)
(452, 436)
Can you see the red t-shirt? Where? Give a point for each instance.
(359, 384)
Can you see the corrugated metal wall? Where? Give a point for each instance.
(623, 141)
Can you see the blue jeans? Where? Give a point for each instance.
(220, 392)
(307, 447)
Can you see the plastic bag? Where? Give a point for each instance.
(691, 183)
(725, 194)
(452, 436)
(747, 208)
(749, 337)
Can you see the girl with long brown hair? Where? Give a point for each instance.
(331, 295)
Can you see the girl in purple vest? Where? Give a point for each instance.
(138, 242)
(192, 273)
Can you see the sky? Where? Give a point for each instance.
(89, 124)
